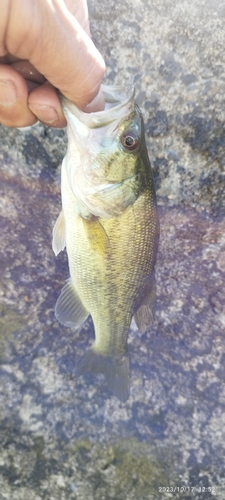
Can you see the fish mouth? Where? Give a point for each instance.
(119, 103)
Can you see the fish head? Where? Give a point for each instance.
(104, 158)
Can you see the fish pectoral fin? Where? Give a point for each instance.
(69, 309)
(144, 316)
(114, 368)
(59, 234)
(97, 236)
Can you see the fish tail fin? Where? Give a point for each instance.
(114, 368)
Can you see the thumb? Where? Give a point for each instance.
(48, 35)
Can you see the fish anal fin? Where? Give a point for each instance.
(59, 234)
(69, 309)
(97, 236)
(114, 368)
(144, 316)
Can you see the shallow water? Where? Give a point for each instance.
(68, 438)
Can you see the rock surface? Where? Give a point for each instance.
(62, 438)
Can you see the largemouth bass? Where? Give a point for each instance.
(109, 226)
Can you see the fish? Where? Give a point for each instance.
(109, 226)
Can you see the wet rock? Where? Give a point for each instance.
(188, 79)
(169, 68)
(158, 125)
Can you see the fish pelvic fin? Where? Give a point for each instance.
(145, 315)
(69, 310)
(114, 368)
(59, 234)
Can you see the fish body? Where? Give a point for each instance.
(109, 226)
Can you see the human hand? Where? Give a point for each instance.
(45, 45)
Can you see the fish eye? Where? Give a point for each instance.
(130, 140)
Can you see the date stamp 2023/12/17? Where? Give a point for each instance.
(214, 490)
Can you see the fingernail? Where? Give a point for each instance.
(98, 103)
(8, 95)
(45, 114)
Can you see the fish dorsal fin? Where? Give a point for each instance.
(59, 234)
(144, 316)
(97, 236)
(69, 309)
